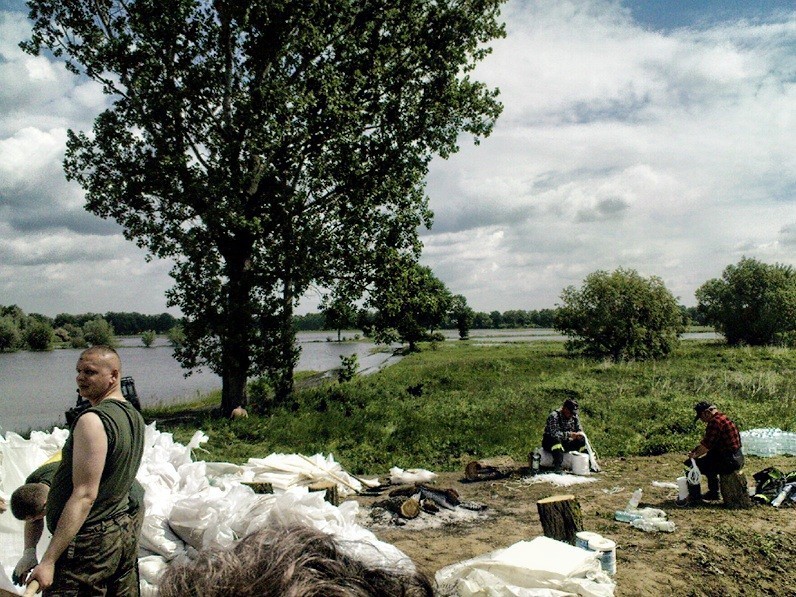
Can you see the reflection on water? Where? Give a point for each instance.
(36, 387)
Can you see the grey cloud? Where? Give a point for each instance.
(553, 179)
(787, 235)
(612, 208)
(478, 215)
(73, 220)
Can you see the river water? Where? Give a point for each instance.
(37, 387)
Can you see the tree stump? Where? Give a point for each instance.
(561, 517)
(734, 491)
(491, 468)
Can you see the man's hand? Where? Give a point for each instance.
(575, 435)
(26, 563)
(44, 574)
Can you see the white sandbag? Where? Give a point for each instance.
(151, 568)
(157, 537)
(542, 564)
(399, 476)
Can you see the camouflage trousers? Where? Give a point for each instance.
(101, 561)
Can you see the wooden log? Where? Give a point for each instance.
(258, 487)
(330, 488)
(405, 508)
(491, 468)
(734, 491)
(561, 517)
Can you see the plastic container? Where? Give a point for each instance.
(652, 513)
(536, 461)
(682, 488)
(634, 500)
(583, 537)
(606, 550)
(580, 463)
(625, 516)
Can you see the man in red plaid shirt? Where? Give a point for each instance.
(719, 452)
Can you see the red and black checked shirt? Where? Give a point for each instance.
(721, 434)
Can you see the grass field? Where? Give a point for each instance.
(457, 401)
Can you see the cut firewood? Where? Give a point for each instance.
(492, 468)
(410, 508)
(561, 517)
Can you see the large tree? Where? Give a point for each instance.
(411, 307)
(620, 315)
(268, 145)
(752, 303)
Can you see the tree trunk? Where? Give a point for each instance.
(561, 517)
(287, 353)
(236, 338)
(734, 491)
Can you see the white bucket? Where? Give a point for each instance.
(682, 488)
(606, 550)
(582, 539)
(580, 463)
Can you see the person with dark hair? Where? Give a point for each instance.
(29, 503)
(719, 452)
(297, 561)
(94, 549)
(563, 432)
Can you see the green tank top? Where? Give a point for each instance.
(124, 428)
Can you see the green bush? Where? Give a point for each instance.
(752, 303)
(620, 315)
(39, 335)
(98, 331)
(10, 337)
(148, 338)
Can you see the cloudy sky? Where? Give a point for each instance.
(657, 135)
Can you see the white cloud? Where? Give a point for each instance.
(672, 152)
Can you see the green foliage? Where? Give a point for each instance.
(39, 335)
(462, 315)
(148, 338)
(98, 331)
(620, 315)
(176, 336)
(411, 307)
(752, 303)
(349, 366)
(10, 337)
(339, 314)
(440, 409)
(267, 148)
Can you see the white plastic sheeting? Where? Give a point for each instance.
(195, 504)
(539, 568)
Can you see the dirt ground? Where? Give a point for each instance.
(712, 552)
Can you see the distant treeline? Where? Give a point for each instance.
(124, 324)
(515, 318)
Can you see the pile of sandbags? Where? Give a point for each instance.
(192, 505)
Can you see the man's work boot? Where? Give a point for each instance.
(694, 495)
(713, 489)
(558, 461)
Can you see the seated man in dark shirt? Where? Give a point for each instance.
(563, 433)
(719, 452)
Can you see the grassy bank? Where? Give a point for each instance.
(440, 408)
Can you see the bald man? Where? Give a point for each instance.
(94, 546)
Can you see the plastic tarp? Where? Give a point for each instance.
(542, 567)
(196, 504)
